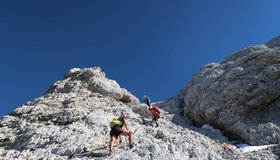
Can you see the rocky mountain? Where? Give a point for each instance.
(240, 95)
(236, 99)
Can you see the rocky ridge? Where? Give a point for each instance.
(71, 121)
(73, 118)
(240, 95)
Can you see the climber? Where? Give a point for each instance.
(119, 127)
(154, 111)
(146, 100)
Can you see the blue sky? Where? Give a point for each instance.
(148, 47)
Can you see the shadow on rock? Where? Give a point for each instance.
(91, 154)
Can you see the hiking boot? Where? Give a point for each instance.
(157, 125)
(130, 146)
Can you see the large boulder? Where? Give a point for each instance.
(239, 95)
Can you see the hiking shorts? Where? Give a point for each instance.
(155, 118)
(116, 131)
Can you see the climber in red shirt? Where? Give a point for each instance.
(155, 112)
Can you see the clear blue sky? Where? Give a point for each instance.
(150, 47)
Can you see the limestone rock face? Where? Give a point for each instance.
(275, 42)
(91, 81)
(71, 121)
(239, 95)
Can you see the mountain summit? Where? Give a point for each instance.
(239, 97)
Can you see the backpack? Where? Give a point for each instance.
(156, 109)
(115, 121)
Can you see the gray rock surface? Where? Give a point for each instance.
(73, 118)
(71, 121)
(240, 95)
